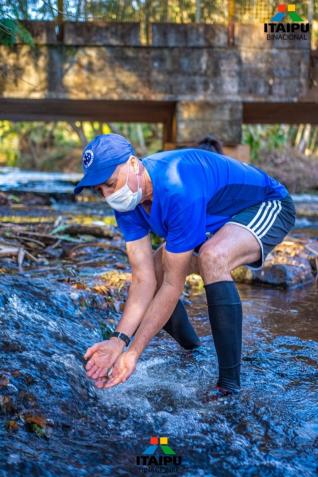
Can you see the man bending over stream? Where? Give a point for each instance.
(215, 214)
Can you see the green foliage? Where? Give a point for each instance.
(36, 145)
(146, 11)
(156, 241)
(258, 137)
(147, 137)
(268, 138)
(38, 430)
(57, 146)
(11, 30)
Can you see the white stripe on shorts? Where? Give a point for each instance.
(272, 220)
(265, 217)
(256, 216)
(271, 207)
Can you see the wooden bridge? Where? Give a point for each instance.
(193, 78)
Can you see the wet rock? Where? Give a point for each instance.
(292, 263)
(194, 283)
(288, 265)
(4, 381)
(307, 209)
(284, 274)
(11, 346)
(15, 373)
(12, 425)
(36, 423)
(116, 280)
(312, 249)
(35, 419)
(7, 405)
(27, 398)
(29, 380)
(3, 199)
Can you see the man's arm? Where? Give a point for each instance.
(102, 355)
(175, 266)
(142, 287)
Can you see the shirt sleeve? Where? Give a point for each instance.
(131, 225)
(186, 225)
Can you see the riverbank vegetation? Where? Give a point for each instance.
(288, 152)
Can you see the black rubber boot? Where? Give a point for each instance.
(181, 329)
(225, 314)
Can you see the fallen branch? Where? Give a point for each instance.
(73, 250)
(8, 251)
(32, 256)
(311, 249)
(21, 255)
(77, 229)
(28, 239)
(49, 237)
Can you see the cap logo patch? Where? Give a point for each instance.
(88, 158)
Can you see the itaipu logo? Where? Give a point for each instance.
(280, 29)
(159, 456)
(88, 158)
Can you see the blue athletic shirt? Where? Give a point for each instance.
(195, 191)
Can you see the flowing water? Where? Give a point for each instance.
(270, 429)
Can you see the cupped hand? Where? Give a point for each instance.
(101, 357)
(124, 367)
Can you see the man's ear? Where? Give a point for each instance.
(135, 163)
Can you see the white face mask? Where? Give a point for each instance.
(125, 199)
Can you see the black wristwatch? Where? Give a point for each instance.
(122, 336)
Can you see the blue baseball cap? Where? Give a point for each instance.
(101, 157)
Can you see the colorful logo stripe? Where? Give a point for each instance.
(284, 11)
(159, 443)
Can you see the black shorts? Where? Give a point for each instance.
(269, 222)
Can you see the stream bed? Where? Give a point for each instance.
(54, 422)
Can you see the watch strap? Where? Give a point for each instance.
(122, 336)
